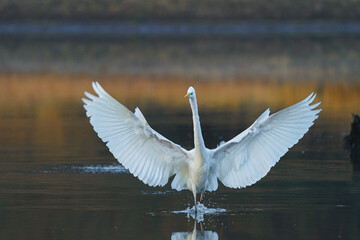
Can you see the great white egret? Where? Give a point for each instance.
(238, 163)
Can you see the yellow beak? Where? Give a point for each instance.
(187, 95)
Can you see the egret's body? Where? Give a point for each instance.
(238, 163)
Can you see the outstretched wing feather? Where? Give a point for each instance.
(147, 154)
(248, 157)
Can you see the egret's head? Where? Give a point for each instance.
(190, 92)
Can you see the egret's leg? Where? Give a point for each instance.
(194, 193)
(202, 194)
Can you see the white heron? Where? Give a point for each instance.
(238, 163)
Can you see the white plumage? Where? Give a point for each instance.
(238, 163)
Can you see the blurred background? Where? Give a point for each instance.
(58, 180)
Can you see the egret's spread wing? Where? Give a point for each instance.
(148, 155)
(248, 157)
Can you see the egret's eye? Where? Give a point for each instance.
(191, 93)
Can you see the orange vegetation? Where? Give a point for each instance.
(25, 91)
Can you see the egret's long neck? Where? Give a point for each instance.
(198, 138)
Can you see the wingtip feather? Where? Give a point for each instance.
(89, 95)
(313, 106)
(312, 98)
(308, 97)
(86, 101)
(94, 86)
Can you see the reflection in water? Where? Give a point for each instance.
(198, 235)
(50, 96)
(195, 234)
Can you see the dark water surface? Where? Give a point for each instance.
(70, 186)
(58, 180)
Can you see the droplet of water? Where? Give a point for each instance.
(201, 211)
(88, 169)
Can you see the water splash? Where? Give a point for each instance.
(88, 169)
(156, 192)
(202, 210)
